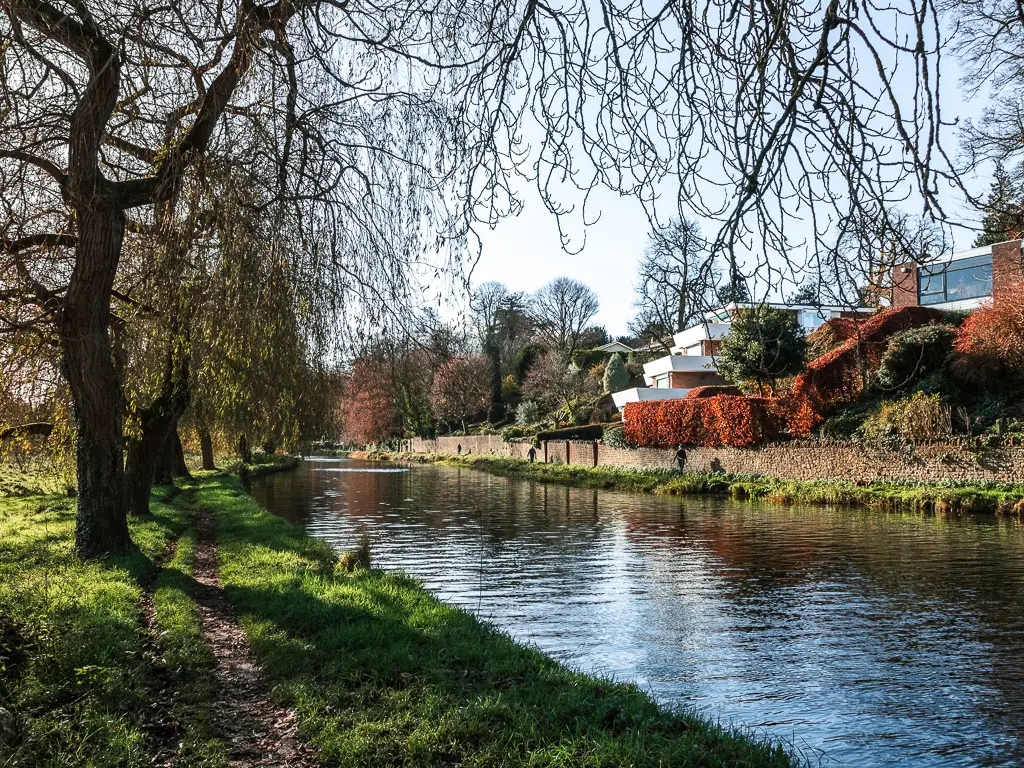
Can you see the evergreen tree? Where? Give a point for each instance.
(763, 345)
(616, 377)
(1004, 212)
(735, 291)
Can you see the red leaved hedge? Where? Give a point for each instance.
(720, 420)
(835, 378)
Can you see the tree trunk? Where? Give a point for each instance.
(88, 366)
(206, 446)
(244, 451)
(152, 458)
(141, 469)
(174, 454)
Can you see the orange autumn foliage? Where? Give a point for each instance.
(990, 343)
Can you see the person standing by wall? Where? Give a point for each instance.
(681, 458)
(532, 453)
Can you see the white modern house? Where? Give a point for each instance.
(691, 361)
(963, 280)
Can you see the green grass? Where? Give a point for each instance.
(953, 496)
(188, 660)
(381, 673)
(72, 668)
(30, 480)
(74, 675)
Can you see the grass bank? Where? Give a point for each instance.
(377, 670)
(949, 497)
(78, 672)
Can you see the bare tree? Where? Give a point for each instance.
(563, 308)
(676, 281)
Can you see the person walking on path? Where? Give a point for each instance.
(458, 449)
(681, 458)
(532, 454)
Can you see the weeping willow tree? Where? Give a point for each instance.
(387, 132)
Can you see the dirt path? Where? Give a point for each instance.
(161, 727)
(255, 731)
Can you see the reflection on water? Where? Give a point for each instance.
(873, 638)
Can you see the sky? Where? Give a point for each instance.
(525, 253)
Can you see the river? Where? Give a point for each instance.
(862, 638)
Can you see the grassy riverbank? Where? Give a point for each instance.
(921, 497)
(378, 671)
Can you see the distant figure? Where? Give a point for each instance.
(458, 449)
(681, 458)
(532, 454)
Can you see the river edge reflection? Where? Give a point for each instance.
(866, 637)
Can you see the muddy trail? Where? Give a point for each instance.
(255, 730)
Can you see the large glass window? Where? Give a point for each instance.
(955, 281)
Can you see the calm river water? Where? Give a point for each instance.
(864, 638)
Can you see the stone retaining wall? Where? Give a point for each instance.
(792, 461)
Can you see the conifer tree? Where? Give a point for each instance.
(1004, 210)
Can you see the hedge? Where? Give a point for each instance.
(722, 420)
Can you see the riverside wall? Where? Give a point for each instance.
(803, 460)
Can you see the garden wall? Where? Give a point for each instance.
(792, 461)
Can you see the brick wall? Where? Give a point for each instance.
(904, 285)
(486, 444)
(691, 379)
(792, 461)
(555, 451)
(583, 453)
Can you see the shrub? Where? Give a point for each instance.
(914, 419)
(714, 421)
(913, 354)
(837, 377)
(712, 390)
(830, 335)
(513, 432)
(509, 389)
(990, 344)
(616, 377)
(615, 438)
(764, 345)
(588, 358)
(528, 412)
(588, 432)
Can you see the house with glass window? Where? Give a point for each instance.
(692, 360)
(959, 281)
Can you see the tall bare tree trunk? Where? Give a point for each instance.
(88, 365)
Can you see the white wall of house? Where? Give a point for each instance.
(639, 394)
